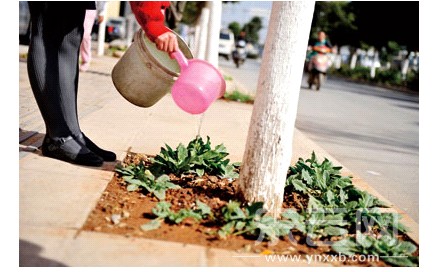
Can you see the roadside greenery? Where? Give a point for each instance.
(387, 77)
(227, 78)
(238, 96)
(333, 208)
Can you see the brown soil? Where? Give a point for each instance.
(136, 210)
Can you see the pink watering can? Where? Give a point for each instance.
(198, 85)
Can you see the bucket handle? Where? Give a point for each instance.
(181, 59)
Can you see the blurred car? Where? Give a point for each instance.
(226, 43)
(115, 29)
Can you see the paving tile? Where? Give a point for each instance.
(44, 246)
(57, 194)
(100, 249)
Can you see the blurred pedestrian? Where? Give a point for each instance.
(92, 15)
(53, 58)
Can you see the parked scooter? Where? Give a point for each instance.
(239, 54)
(318, 66)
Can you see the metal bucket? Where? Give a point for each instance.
(144, 74)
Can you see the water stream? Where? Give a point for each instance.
(199, 127)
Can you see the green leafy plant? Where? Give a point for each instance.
(171, 161)
(321, 224)
(238, 96)
(137, 176)
(227, 78)
(236, 219)
(388, 248)
(198, 157)
(335, 207)
(326, 187)
(164, 213)
(253, 221)
(323, 181)
(376, 221)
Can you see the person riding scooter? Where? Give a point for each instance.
(318, 63)
(239, 54)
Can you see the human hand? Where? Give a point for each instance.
(167, 42)
(100, 19)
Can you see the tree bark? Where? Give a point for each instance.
(268, 149)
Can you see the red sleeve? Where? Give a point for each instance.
(150, 17)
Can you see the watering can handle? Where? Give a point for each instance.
(180, 58)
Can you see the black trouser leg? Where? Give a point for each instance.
(56, 36)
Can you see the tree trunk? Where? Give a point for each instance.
(405, 66)
(215, 18)
(338, 61)
(203, 34)
(373, 64)
(353, 61)
(101, 34)
(269, 142)
(195, 45)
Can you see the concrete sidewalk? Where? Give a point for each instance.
(56, 197)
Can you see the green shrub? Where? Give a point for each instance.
(239, 97)
(361, 73)
(389, 77)
(344, 70)
(412, 80)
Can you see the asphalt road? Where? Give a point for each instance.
(372, 131)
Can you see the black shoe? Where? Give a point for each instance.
(104, 154)
(69, 150)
